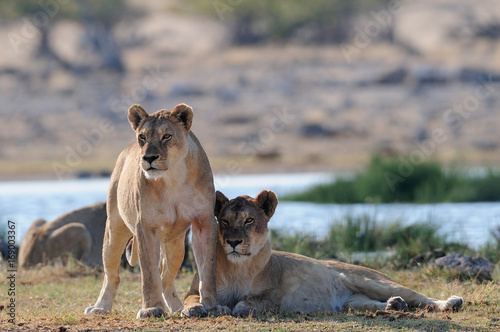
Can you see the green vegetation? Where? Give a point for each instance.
(314, 21)
(395, 179)
(365, 235)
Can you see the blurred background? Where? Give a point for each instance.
(276, 87)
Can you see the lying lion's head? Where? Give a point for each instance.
(243, 223)
(162, 137)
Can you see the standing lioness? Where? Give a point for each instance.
(161, 185)
(253, 279)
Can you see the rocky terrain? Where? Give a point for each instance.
(430, 91)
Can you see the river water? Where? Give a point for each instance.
(471, 223)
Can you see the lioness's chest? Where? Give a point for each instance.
(229, 293)
(169, 207)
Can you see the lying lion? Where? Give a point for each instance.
(253, 279)
(78, 233)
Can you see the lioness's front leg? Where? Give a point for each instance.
(255, 305)
(115, 238)
(193, 307)
(170, 266)
(153, 303)
(204, 249)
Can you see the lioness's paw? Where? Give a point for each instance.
(151, 312)
(194, 310)
(454, 303)
(242, 310)
(219, 310)
(396, 303)
(95, 311)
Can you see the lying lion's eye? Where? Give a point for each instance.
(224, 222)
(142, 137)
(166, 137)
(249, 221)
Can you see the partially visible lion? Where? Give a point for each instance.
(253, 279)
(78, 233)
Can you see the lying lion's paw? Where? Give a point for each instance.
(151, 312)
(219, 310)
(242, 309)
(95, 311)
(194, 310)
(396, 303)
(454, 303)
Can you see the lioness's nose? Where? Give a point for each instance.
(150, 159)
(233, 243)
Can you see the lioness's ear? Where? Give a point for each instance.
(183, 114)
(136, 116)
(267, 201)
(220, 200)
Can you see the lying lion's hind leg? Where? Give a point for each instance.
(362, 302)
(115, 239)
(454, 303)
(131, 252)
(389, 289)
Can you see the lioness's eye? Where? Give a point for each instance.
(166, 137)
(142, 137)
(224, 222)
(249, 221)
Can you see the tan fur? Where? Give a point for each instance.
(253, 279)
(161, 185)
(78, 233)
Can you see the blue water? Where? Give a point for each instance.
(23, 202)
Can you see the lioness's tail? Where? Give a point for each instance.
(131, 252)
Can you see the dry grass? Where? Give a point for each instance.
(53, 298)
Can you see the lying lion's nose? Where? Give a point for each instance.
(233, 243)
(150, 159)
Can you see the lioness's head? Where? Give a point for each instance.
(162, 137)
(243, 223)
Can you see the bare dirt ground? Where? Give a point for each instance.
(53, 299)
(433, 92)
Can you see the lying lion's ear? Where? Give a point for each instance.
(183, 114)
(136, 116)
(267, 201)
(220, 200)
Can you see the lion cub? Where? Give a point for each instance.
(253, 279)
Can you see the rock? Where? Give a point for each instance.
(396, 76)
(426, 257)
(430, 75)
(478, 76)
(485, 145)
(314, 130)
(468, 267)
(227, 93)
(185, 90)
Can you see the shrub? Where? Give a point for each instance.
(382, 181)
(304, 244)
(319, 21)
(364, 234)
